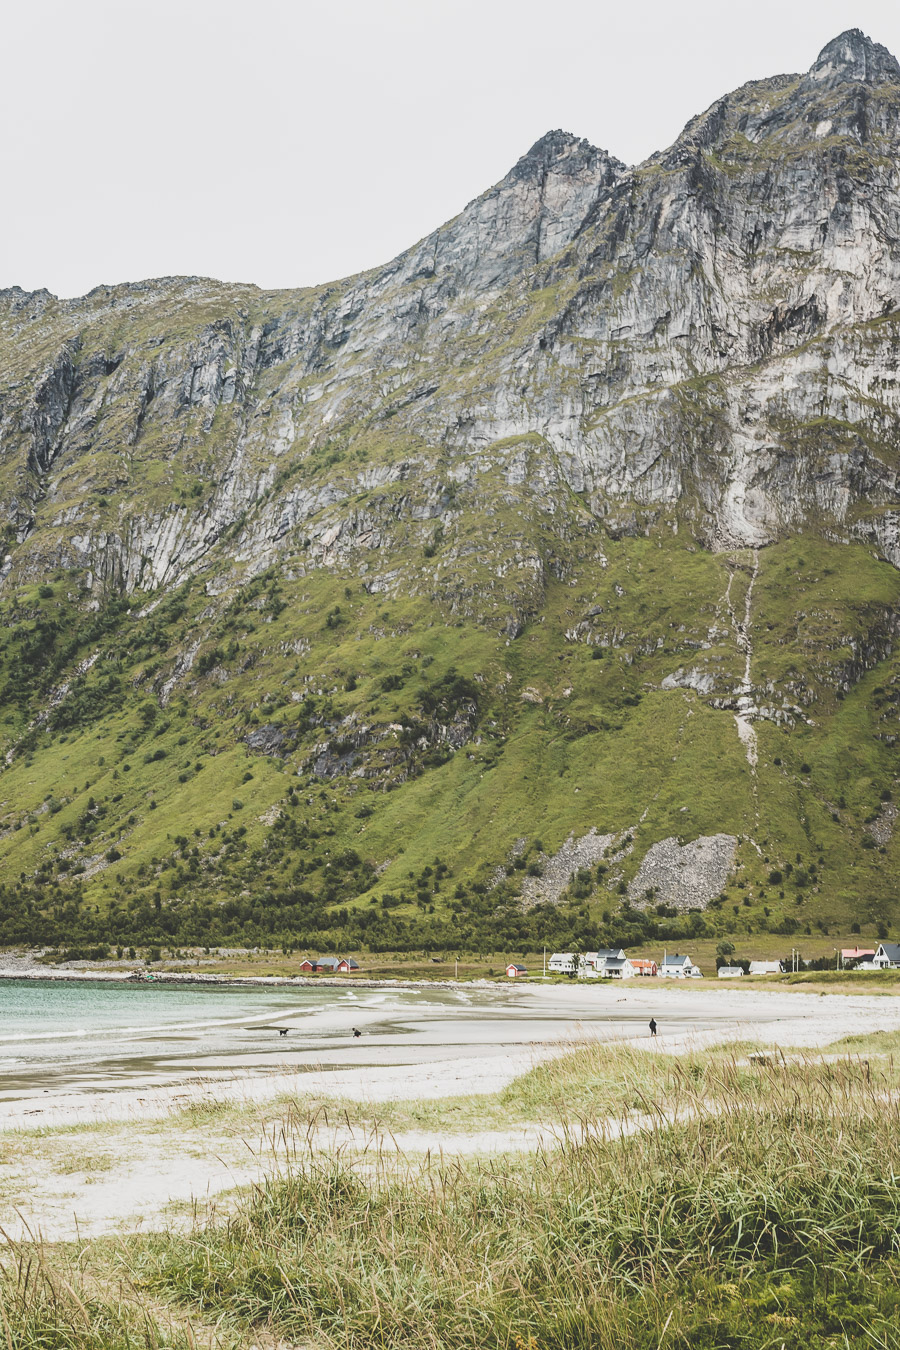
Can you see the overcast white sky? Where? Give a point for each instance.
(288, 142)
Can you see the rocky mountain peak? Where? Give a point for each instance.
(529, 215)
(563, 158)
(852, 56)
(555, 147)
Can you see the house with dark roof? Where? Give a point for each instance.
(335, 965)
(677, 967)
(514, 971)
(591, 964)
(888, 956)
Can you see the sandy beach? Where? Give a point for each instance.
(416, 1042)
(93, 1161)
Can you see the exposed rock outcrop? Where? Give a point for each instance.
(710, 332)
(559, 868)
(685, 875)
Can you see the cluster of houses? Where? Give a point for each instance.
(328, 965)
(611, 963)
(886, 956)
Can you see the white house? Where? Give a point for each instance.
(591, 964)
(617, 968)
(764, 968)
(679, 968)
(730, 972)
(563, 963)
(887, 956)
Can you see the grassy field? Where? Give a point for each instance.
(492, 964)
(742, 1224)
(739, 1201)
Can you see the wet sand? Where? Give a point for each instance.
(473, 1041)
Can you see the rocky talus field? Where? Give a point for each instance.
(539, 586)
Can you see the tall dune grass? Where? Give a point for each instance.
(767, 1214)
(48, 1303)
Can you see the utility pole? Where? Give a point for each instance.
(545, 963)
(456, 969)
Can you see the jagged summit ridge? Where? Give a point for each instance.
(556, 148)
(854, 56)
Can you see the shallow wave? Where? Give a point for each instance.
(158, 1029)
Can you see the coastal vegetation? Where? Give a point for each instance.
(733, 1197)
(733, 1227)
(380, 782)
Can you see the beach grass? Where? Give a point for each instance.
(737, 1197)
(870, 1043)
(761, 1219)
(51, 1300)
(588, 1081)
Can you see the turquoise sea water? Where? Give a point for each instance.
(60, 1036)
(76, 1033)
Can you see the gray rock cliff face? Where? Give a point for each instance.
(574, 525)
(711, 335)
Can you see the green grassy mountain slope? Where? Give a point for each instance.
(541, 586)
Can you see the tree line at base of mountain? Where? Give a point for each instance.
(295, 919)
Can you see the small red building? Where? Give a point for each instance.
(644, 967)
(514, 971)
(307, 966)
(333, 965)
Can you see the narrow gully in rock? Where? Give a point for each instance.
(742, 717)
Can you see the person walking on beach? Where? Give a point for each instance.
(652, 1026)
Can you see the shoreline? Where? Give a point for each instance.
(117, 1156)
(27, 968)
(261, 981)
(852, 983)
(440, 1053)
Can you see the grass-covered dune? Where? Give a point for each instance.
(752, 1202)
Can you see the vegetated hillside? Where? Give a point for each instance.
(540, 586)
